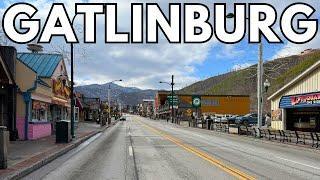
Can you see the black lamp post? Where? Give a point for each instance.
(171, 84)
(72, 89)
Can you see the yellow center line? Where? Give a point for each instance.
(234, 172)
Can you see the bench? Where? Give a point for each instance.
(300, 137)
(245, 130)
(263, 132)
(285, 136)
(315, 139)
(272, 134)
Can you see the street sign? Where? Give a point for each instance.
(196, 101)
(173, 99)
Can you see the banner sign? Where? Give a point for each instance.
(304, 100)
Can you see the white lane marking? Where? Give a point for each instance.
(130, 151)
(314, 167)
(281, 158)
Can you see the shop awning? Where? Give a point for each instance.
(300, 101)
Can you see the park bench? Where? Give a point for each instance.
(300, 137)
(285, 136)
(263, 132)
(245, 130)
(271, 134)
(315, 139)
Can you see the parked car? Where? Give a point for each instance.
(232, 119)
(249, 119)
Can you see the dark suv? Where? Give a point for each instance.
(249, 119)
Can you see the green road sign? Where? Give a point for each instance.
(196, 101)
(173, 99)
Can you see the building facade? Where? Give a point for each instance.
(8, 90)
(43, 97)
(296, 106)
(210, 104)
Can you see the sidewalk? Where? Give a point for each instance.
(26, 156)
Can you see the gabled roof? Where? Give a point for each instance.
(295, 80)
(43, 64)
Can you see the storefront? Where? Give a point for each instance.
(44, 94)
(296, 106)
(303, 111)
(8, 90)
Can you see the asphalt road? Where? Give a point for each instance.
(141, 148)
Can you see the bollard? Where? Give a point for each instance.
(4, 138)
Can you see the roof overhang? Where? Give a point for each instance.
(7, 72)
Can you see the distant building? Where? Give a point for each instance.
(147, 107)
(210, 104)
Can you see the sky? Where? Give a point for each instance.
(144, 65)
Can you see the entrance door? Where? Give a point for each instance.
(303, 119)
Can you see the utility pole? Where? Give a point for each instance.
(172, 111)
(260, 86)
(109, 106)
(72, 95)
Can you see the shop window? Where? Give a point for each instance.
(39, 111)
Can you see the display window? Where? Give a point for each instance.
(39, 111)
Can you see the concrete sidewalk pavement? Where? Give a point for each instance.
(26, 156)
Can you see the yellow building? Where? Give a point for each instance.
(296, 106)
(43, 95)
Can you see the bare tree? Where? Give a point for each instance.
(3, 38)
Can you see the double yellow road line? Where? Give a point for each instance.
(232, 171)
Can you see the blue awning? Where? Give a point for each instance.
(300, 101)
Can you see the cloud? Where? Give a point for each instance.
(143, 65)
(230, 51)
(237, 67)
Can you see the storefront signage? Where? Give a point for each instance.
(305, 99)
(196, 101)
(39, 105)
(60, 88)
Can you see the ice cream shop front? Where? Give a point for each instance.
(303, 111)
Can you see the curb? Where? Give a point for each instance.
(23, 172)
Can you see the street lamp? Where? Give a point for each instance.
(171, 84)
(259, 78)
(72, 83)
(109, 105)
(266, 85)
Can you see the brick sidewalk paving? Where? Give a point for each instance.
(25, 154)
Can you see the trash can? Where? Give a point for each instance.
(63, 134)
(4, 140)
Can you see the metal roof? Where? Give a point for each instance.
(43, 64)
